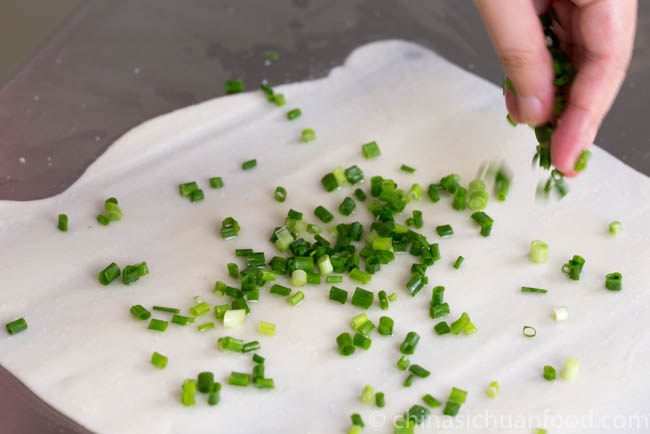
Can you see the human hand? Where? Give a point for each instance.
(597, 35)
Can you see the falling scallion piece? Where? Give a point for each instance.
(293, 114)
(63, 223)
(307, 135)
(246, 165)
(581, 161)
(234, 86)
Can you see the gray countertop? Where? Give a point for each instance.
(115, 64)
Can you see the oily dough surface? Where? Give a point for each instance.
(89, 358)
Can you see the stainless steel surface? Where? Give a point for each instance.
(118, 63)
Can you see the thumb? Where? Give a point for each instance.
(515, 30)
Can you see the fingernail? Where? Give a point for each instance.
(530, 109)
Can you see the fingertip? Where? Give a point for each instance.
(573, 134)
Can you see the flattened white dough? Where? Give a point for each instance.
(88, 357)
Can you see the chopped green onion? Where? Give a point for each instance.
(458, 395)
(234, 318)
(371, 150)
(541, 431)
(470, 329)
(407, 169)
(181, 320)
(293, 114)
(360, 195)
(258, 359)
(417, 414)
(451, 408)
(510, 120)
(158, 360)
(431, 401)
(570, 369)
(108, 274)
(614, 281)
(360, 276)
(338, 295)
(361, 341)
(358, 320)
(284, 239)
(534, 290)
(460, 199)
(213, 397)
(444, 231)
(368, 395)
(356, 419)
(529, 331)
(230, 344)
(392, 297)
(197, 196)
(459, 325)
(442, 328)
(581, 162)
(140, 312)
(251, 346)
(307, 135)
(158, 325)
(334, 279)
(403, 363)
(238, 379)
(267, 328)
(439, 310)
(296, 298)
(323, 214)
(233, 270)
(573, 268)
(166, 309)
(380, 400)
(271, 55)
(229, 228)
(280, 290)
(220, 311)
(278, 99)
(205, 381)
(280, 194)
(459, 262)
(493, 389)
(615, 228)
(347, 206)
(404, 426)
(353, 174)
(419, 371)
(485, 221)
(560, 313)
(437, 295)
(206, 326)
(246, 165)
(410, 342)
(189, 393)
(366, 328)
(63, 223)
(216, 182)
(344, 342)
(538, 252)
(383, 300)
(102, 220)
(187, 188)
(299, 278)
(200, 309)
(509, 85)
(362, 298)
(234, 86)
(16, 326)
(432, 192)
(329, 182)
(112, 212)
(409, 380)
(549, 373)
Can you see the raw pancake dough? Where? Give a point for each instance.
(89, 358)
